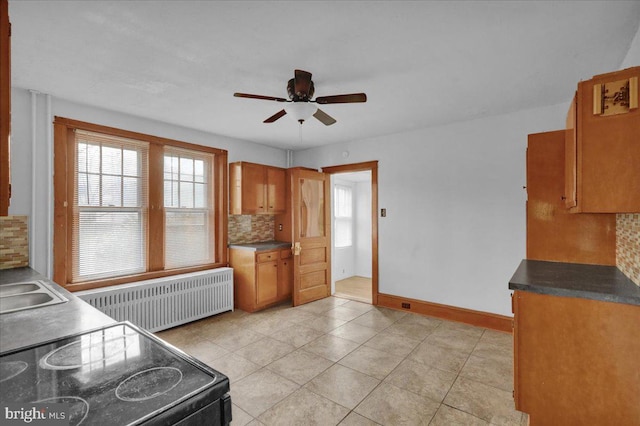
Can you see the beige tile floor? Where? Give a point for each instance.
(338, 361)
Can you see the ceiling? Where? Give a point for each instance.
(421, 63)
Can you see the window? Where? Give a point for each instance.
(109, 208)
(141, 206)
(343, 214)
(187, 208)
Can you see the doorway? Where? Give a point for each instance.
(354, 247)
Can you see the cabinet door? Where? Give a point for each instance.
(253, 182)
(275, 190)
(576, 360)
(570, 156)
(285, 274)
(608, 152)
(516, 356)
(266, 282)
(553, 233)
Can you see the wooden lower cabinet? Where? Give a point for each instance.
(266, 283)
(576, 360)
(261, 278)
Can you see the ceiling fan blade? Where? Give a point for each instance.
(342, 99)
(302, 84)
(266, 98)
(325, 118)
(275, 116)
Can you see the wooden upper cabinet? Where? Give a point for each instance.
(570, 156)
(275, 190)
(256, 189)
(5, 107)
(602, 169)
(553, 233)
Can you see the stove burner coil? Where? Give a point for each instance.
(76, 354)
(78, 407)
(10, 369)
(148, 384)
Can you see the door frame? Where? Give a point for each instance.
(371, 166)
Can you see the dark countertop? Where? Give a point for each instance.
(32, 326)
(596, 282)
(262, 246)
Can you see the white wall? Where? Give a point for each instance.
(633, 55)
(23, 166)
(362, 240)
(455, 226)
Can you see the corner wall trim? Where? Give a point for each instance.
(452, 313)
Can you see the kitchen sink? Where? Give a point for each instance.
(28, 295)
(11, 289)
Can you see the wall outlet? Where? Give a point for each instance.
(383, 212)
(406, 305)
(280, 227)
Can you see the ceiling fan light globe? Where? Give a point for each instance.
(300, 111)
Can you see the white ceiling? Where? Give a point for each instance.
(421, 63)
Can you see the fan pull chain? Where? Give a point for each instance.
(300, 133)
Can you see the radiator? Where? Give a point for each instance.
(166, 302)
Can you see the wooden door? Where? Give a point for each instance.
(311, 236)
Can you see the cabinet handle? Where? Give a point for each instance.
(563, 198)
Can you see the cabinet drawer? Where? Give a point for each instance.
(266, 257)
(285, 254)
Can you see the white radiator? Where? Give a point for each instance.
(166, 302)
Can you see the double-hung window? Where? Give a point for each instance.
(109, 210)
(187, 205)
(130, 206)
(343, 215)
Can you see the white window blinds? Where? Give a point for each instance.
(189, 238)
(110, 206)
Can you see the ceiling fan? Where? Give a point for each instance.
(300, 105)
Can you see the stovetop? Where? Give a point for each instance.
(118, 374)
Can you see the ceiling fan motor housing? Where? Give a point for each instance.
(300, 96)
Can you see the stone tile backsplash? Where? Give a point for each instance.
(628, 245)
(14, 241)
(250, 229)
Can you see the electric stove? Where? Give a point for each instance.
(117, 375)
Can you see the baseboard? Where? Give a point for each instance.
(451, 313)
